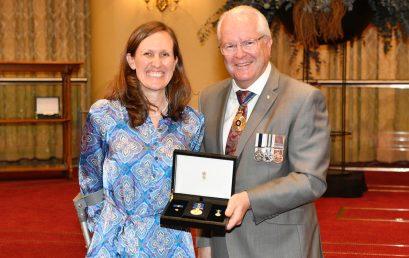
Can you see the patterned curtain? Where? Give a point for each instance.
(376, 117)
(41, 30)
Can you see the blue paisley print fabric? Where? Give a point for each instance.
(134, 167)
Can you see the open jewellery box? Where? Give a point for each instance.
(202, 184)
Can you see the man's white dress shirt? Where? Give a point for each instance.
(233, 103)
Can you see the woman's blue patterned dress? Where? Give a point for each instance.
(134, 167)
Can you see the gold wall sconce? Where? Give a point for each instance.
(162, 5)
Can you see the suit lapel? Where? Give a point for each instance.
(262, 107)
(221, 108)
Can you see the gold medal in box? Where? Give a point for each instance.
(197, 209)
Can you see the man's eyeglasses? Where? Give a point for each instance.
(249, 45)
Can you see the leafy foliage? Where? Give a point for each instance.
(390, 17)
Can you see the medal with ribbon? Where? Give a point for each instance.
(269, 147)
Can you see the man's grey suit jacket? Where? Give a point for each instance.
(282, 221)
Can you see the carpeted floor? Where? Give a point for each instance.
(374, 225)
(37, 219)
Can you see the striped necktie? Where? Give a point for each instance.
(239, 121)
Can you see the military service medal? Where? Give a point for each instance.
(269, 148)
(259, 145)
(268, 157)
(278, 148)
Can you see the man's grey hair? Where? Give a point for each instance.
(262, 24)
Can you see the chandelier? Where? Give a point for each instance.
(162, 5)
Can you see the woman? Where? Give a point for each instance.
(128, 144)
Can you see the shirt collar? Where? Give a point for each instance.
(257, 86)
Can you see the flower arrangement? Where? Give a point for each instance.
(313, 22)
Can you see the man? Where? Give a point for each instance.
(280, 135)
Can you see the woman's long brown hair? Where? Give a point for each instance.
(127, 88)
